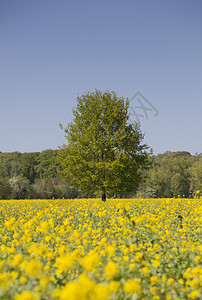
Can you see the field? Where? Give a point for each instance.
(87, 249)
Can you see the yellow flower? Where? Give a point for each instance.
(195, 294)
(125, 258)
(197, 258)
(57, 293)
(17, 259)
(90, 261)
(156, 246)
(126, 250)
(193, 283)
(170, 281)
(152, 289)
(145, 271)
(44, 227)
(22, 280)
(4, 281)
(100, 292)
(132, 286)
(14, 275)
(196, 270)
(110, 250)
(52, 241)
(64, 263)
(86, 283)
(47, 238)
(43, 281)
(138, 256)
(10, 223)
(114, 286)
(110, 270)
(187, 275)
(132, 265)
(26, 295)
(181, 281)
(1, 263)
(71, 291)
(154, 280)
(33, 268)
(156, 263)
(200, 248)
(132, 247)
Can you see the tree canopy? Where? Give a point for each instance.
(173, 174)
(104, 151)
(34, 176)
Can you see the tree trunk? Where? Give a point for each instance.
(104, 197)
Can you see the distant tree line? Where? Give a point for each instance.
(36, 176)
(32, 176)
(173, 174)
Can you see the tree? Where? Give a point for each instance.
(46, 164)
(104, 151)
(196, 175)
(20, 186)
(5, 189)
(170, 175)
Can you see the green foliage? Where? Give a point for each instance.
(29, 165)
(47, 164)
(34, 175)
(20, 186)
(103, 152)
(195, 175)
(54, 188)
(5, 189)
(174, 173)
(9, 164)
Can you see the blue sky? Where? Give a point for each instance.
(53, 51)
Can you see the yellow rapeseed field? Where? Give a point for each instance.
(86, 249)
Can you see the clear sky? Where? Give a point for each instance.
(53, 51)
